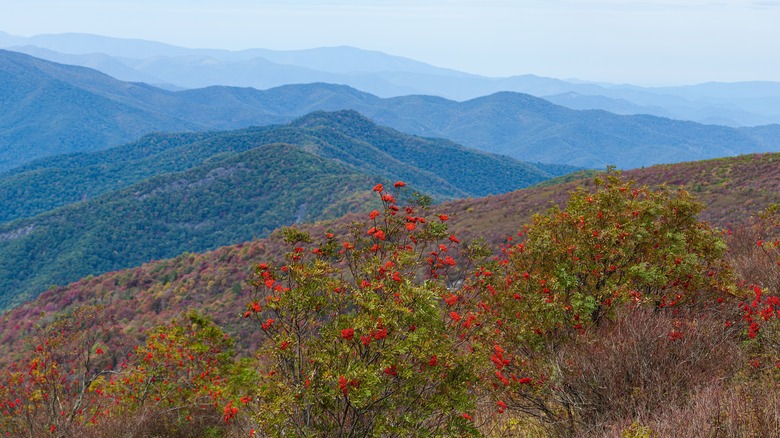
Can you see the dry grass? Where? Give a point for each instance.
(633, 367)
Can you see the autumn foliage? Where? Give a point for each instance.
(596, 319)
(356, 340)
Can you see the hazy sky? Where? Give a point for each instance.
(651, 42)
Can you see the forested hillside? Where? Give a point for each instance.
(345, 136)
(229, 200)
(86, 214)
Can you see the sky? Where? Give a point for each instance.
(650, 42)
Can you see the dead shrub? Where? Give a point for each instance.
(646, 360)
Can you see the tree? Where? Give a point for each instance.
(357, 342)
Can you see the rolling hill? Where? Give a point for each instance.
(213, 282)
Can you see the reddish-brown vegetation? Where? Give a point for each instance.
(612, 316)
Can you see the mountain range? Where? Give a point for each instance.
(50, 109)
(127, 202)
(732, 104)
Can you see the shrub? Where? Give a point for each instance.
(176, 383)
(50, 391)
(612, 317)
(755, 253)
(754, 250)
(618, 247)
(625, 370)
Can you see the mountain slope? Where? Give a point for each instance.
(524, 127)
(97, 61)
(469, 172)
(341, 59)
(345, 136)
(222, 201)
(212, 282)
(50, 109)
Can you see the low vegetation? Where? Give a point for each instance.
(618, 313)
